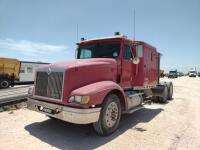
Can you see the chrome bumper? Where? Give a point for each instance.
(73, 115)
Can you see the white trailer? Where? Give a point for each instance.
(27, 71)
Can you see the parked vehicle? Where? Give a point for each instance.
(192, 72)
(13, 71)
(173, 74)
(27, 71)
(199, 74)
(9, 72)
(180, 74)
(110, 77)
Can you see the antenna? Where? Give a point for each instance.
(134, 24)
(76, 39)
(77, 33)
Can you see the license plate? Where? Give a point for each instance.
(46, 110)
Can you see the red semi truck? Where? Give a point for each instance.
(111, 76)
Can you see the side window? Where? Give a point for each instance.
(22, 70)
(86, 53)
(29, 70)
(127, 52)
(139, 51)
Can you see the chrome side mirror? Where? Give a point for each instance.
(136, 60)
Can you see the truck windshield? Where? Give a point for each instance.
(99, 50)
(172, 72)
(192, 71)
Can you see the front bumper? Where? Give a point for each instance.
(73, 115)
(192, 75)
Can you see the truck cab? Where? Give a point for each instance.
(173, 74)
(110, 76)
(126, 53)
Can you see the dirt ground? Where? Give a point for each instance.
(175, 125)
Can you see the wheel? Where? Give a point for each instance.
(4, 83)
(155, 99)
(109, 117)
(12, 83)
(170, 91)
(163, 98)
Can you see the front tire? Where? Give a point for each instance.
(109, 117)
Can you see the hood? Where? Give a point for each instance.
(78, 63)
(81, 72)
(83, 63)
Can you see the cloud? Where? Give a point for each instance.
(31, 48)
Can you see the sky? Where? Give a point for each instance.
(46, 30)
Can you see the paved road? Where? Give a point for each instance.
(175, 125)
(12, 94)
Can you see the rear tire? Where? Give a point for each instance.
(4, 83)
(109, 117)
(170, 91)
(164, 97)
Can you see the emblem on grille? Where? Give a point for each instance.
(49, 71)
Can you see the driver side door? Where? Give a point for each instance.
(126, 79)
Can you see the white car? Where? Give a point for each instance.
(192, 74)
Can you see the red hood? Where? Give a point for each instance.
(81, 72)
(86, 71)
(83, 62)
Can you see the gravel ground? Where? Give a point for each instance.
(175, 125)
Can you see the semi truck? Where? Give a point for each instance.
(192, 72)
(111, 76)
(9, 72)
(173, 73)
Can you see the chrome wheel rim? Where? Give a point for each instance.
(111, 114)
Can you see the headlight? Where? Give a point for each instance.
(79, 99)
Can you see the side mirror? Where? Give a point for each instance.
(136, 60)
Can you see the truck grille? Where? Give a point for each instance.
(49, 85)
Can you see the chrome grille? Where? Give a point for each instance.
(49, 85)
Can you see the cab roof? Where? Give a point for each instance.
(116, 37)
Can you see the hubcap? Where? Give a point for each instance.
(111, 114)
(4, 84)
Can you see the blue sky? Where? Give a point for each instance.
(45, 30)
